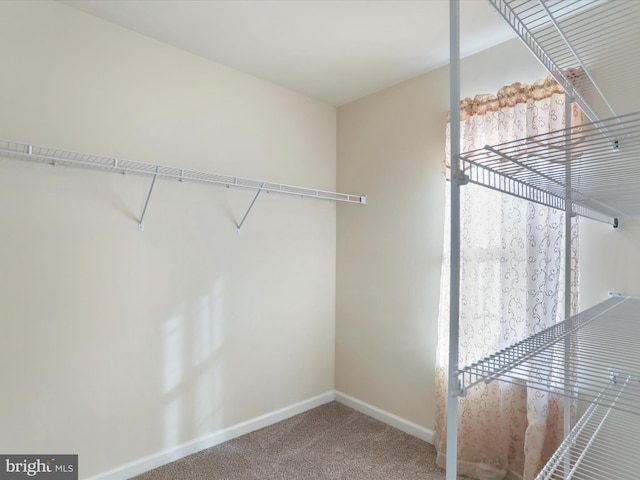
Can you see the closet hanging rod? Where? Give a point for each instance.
(56, 156)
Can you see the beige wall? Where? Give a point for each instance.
(388, 257)
(117, 344)
(391, 146)
(609, 260)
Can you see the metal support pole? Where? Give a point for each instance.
(146, 204)
(567, 280)
(250, 207)
(454, 285)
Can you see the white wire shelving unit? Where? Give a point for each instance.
(591, 48)
(540, 360)
(602, 181)
(57, 156)
(604, 443)
(588, 46)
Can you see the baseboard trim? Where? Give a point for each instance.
(400, 423)
(175, 453)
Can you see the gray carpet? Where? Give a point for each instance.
(332, 441)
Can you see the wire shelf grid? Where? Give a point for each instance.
(588, 46)
(574, 346)
(601, 175)
(603, 444)
(55, 156)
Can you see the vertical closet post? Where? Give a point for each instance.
(454, 284)
(568, 101)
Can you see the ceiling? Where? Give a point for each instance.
(331, 50)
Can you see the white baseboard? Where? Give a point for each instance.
(400, 423)
(180, 451)
(175, 453)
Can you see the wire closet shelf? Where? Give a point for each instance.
(590, 48)
(56, 156)
(604, 444)
(601, 178)
(540, 361)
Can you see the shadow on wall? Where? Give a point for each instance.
(192, 372)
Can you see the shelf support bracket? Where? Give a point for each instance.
(250, 207)
(146, 204)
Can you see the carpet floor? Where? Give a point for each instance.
(332, 442)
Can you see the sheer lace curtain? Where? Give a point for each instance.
(512, 285)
